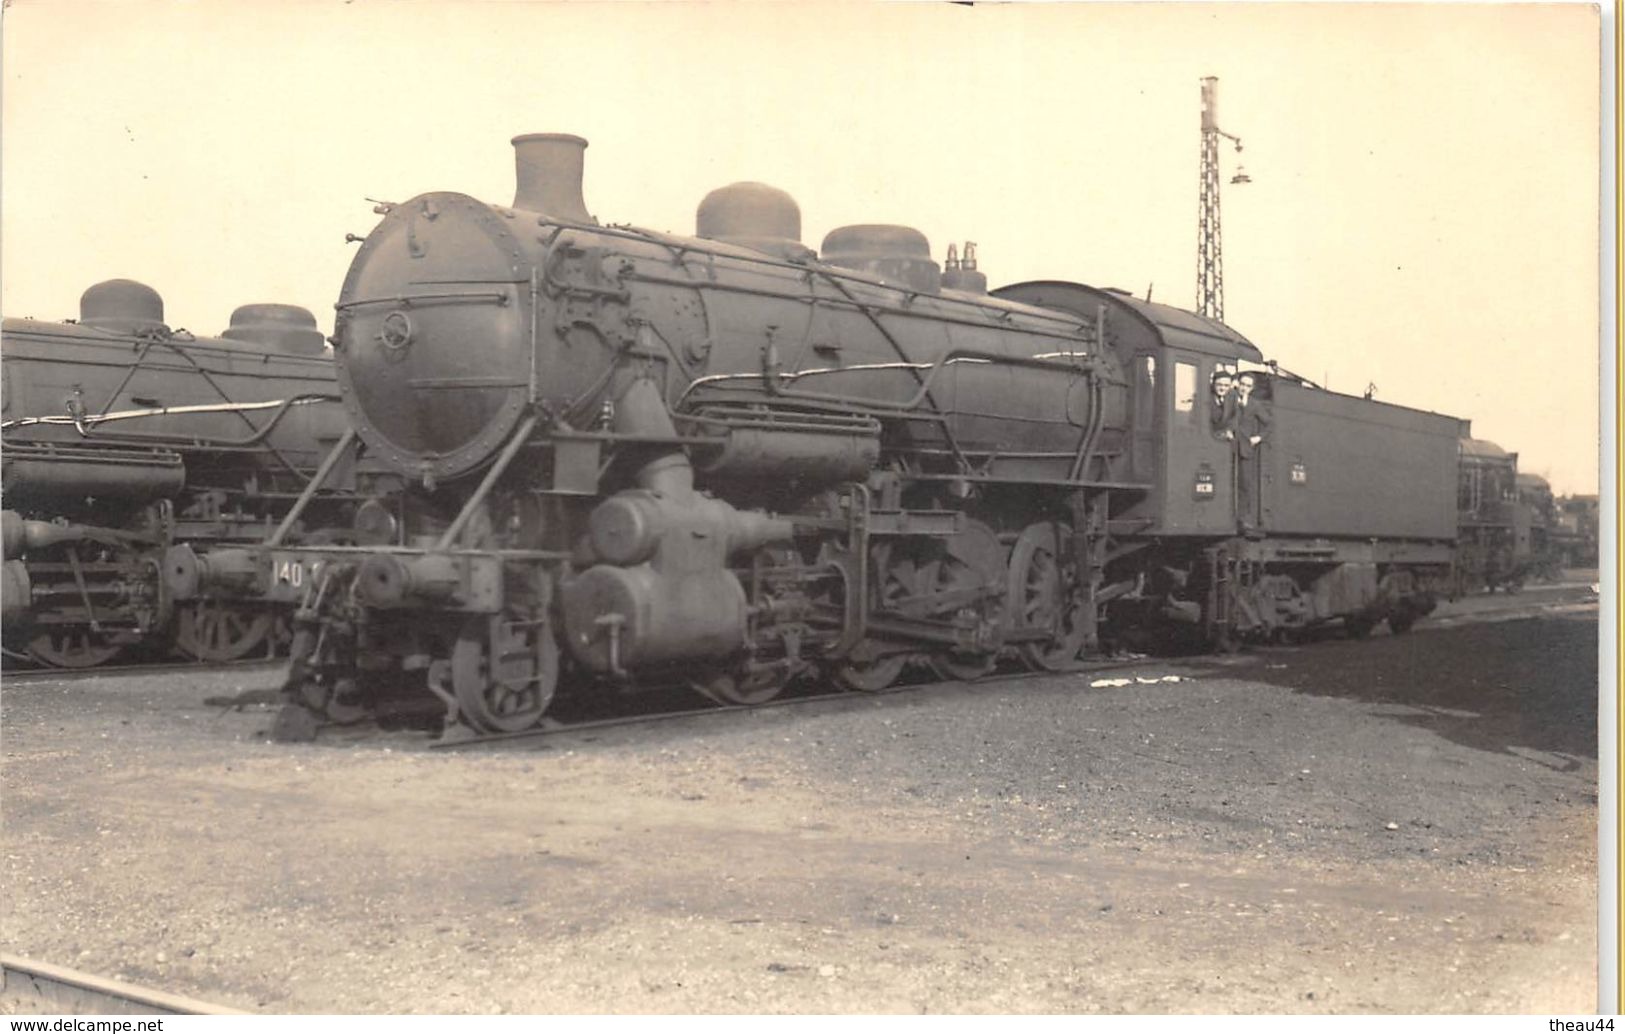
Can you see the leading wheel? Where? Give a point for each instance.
(211, 632)
(504, 673)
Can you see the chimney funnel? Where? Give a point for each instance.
(548, 169)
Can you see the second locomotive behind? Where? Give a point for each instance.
(726, 460)
(122, 437)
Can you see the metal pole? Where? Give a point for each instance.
(514, 444)
(330, 461)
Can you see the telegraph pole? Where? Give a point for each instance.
(1209, 251)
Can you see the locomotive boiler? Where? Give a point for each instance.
(123, 437)
(632, 458)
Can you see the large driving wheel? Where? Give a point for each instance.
(872, 664)
(870, 676)
(971, 562)
(1043, 596)
(73, 646)
(504, 673)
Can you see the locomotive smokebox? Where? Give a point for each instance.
(548, 170)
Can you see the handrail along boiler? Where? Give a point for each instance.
(728, 460)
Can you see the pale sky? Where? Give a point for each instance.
(1423, 212)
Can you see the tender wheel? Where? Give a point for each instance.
(1042, 595)
(213, 633)
(506, 689)
(73, 646)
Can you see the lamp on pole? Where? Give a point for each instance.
(1209, 253)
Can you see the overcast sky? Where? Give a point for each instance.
(1422, 213)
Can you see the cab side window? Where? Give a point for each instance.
(1185, 381)
(1145, 390)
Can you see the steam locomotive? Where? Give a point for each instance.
(121, 437)
(624, 458)
(1510, 528)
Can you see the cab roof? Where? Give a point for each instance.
(1176, 328)
(1483, 447)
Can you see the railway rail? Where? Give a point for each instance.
(41, 988)
(115, 671)
(464, 739)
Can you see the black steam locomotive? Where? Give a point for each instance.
(628, 458)
(120, 438)
(1487, 502)
(1510, 526)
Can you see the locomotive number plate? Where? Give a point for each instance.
(290, 572)
(291, 575)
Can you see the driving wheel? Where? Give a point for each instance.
(1043, 596)
(970, 564)
(73, 646)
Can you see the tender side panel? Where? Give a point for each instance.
(1336, 465)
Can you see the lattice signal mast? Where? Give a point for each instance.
(1209, 257)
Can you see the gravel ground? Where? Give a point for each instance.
(1405, 824)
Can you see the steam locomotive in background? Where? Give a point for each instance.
(621, 458)
(120, 437)
(1511, 527)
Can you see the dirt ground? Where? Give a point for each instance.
(1406, 824)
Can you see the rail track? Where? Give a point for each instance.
(119, 670)
(28, 986)
(460, 739)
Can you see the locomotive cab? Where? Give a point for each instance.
(1170, 357)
